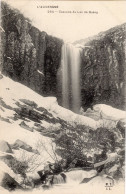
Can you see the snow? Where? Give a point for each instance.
(2, 29)
(72, 117)
(78, 175)
(18, 91)
(40, 72)
(9, 57)
(82, 46)
(95, 186)
(110, 113)
(7, 113)
(12, 131)
(12, 92)
(5, 168)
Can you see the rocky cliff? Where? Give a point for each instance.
(32, 57)
(103, 77)
(28, 55)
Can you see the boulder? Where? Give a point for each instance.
(23, 125)
(58, 179)
(5, 147)
(38, 127)
(86, 180)
(29, 103)
(20, 144)
(113, 169)
(9, 183)
(28, 112)
(121, 125)
(100, 181)
(1, 76)
(3, 104)
(5, 119)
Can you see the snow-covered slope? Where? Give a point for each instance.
(30, 119)
(12, 93)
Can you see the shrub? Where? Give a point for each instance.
(86, 146)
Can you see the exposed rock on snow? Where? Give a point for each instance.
(58, 179)
(5, 169)
(5, 147)
(32, 121)
(29, 103)
(20, 144)
(12, 96)
(9, 183)
(22, 124)
(122, 125)
(1, 76)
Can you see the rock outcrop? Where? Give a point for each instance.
(9, 183)
(103, 69)
(32, 58)
(20, 144)
(28, 55)
(5, 147)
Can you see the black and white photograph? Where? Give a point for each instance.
(62, 97)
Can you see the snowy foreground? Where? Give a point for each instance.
(14, 96)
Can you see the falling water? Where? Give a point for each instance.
(70, 64)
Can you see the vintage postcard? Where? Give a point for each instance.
(62, 97)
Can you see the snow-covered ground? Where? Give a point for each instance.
(13, 91)
(10, 130)
(96, 186)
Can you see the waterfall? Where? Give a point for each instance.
(78, 175)
(70, 65)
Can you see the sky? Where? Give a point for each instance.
(73, 26)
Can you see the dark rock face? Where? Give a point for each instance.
(121, 125)
(52, 63)
(28, 55)
(103, 68)
(33, 58)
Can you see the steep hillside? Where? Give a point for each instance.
(29, 56)
(103, 69)
(33, 58)
(101, 35)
